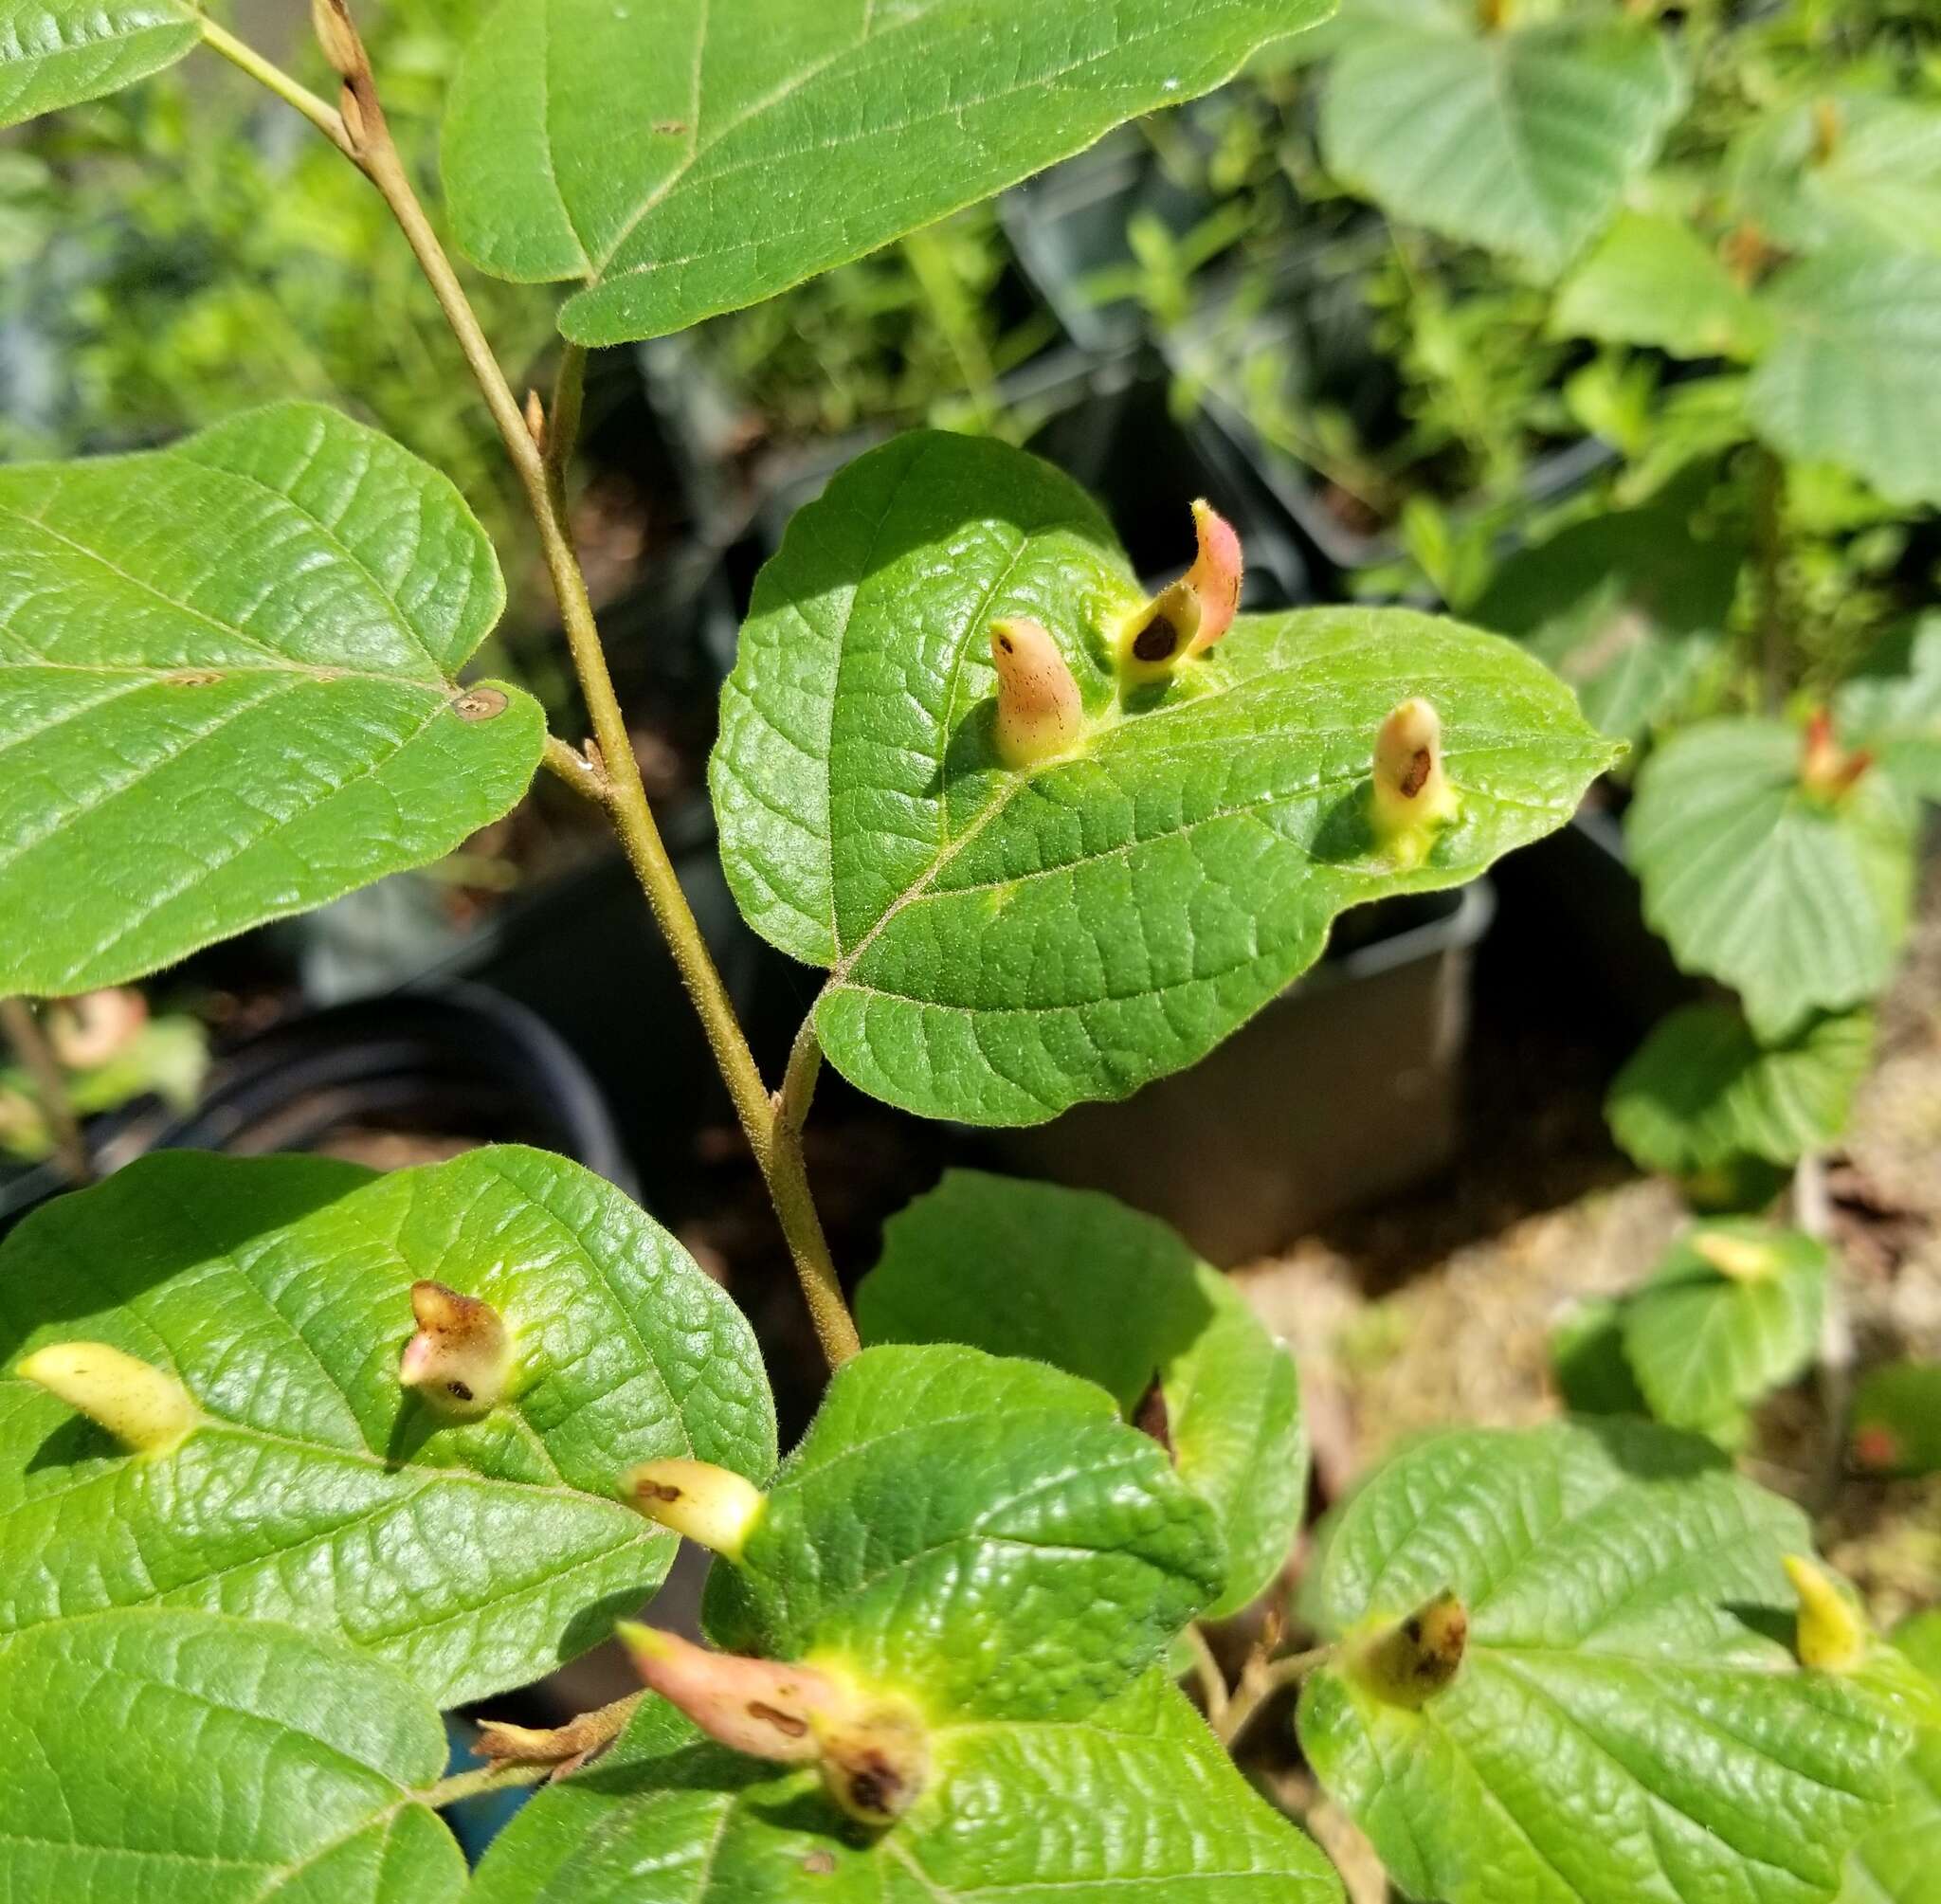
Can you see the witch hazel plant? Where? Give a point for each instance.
(296, 1456)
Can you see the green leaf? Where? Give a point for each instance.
(185, 1758)
(1621, 1727)
(225, 676)
(1521, 142)
(1881, 180)
(985, 1536)
(1895, 1425)
(1588, 1361)
(1702, 1090)
(1624, 606)
(1137, 1797)
(1652, 279)
(1006, 944)
(1854, 376)
(1797, 903)
(691, 157)
(1899, 1861)
(1078, 1279)
(1705, 1345)
(57, 53)
(317, 1490)
(1890, 705)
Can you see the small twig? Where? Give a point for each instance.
(30, 1045)
(358, 129)
(1259, 1681)
(1206, 1673)
(570, 765)
(560, 1748)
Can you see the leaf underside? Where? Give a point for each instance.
(57, 53)
(1521, 140)
(1799, 905)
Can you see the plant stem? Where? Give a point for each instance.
(1211, 1680)
(37, 1058)
(563, 420)
(1258, 1682)
(326, 118)
(487, 1778)
(360, 130)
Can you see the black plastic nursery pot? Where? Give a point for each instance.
(1345, 1088)
(442, 1066)
(1572, 920)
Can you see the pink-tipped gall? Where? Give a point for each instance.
(461, 1359)
(1040, 712)
(1188, 617)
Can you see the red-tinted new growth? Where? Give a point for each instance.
(1039, 715)
(1826, 769)
(461, 1359)
(1194, 612)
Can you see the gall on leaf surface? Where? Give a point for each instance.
(1005, 944)
(316, 1488)
(226, 689)
(682, 157)
(188, 1757)
(980, 1537)
(1135, 1799)
(1628, 1719)
(1077, 1280)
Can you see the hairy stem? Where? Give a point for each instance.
(1258, 1682)
(358, 128)
(487, 1778)
(37, 1058)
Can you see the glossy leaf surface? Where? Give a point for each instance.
(316, 1490)
(186, 1758)
(981, 1536)
(1003, 944)
(226, 693)
(1078, 1279)
(55, 53)
(1621, 1725)
(1137, 1797)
